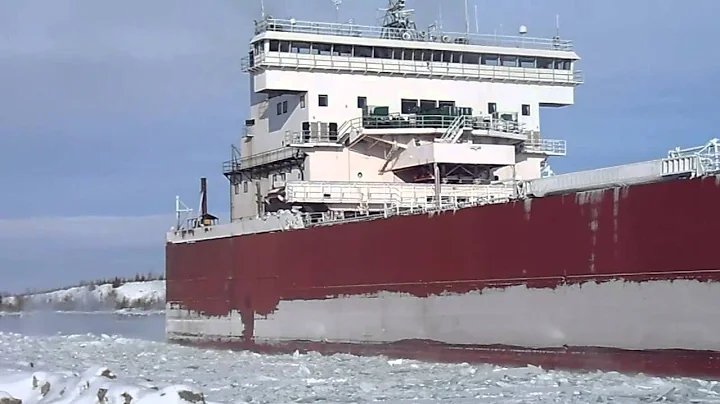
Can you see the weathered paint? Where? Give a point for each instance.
(661, 231)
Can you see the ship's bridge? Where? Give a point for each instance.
(332, 47)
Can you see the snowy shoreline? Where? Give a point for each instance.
(130, 297)
(96, 384)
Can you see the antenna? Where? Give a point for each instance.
(477, 24)
(557, 25)
(398, 22)
(337, 9)
(467, 19)
(262, 8)
(440, 16)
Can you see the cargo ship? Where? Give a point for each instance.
(391, 195)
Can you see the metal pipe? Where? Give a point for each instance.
(203, 195)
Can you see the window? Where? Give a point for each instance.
(236, 188)
(444, 104)
(490, 60)
(300, 47)
(362, 102)
(321, 49)
(302, 101)
(278, 107)
(363, 51)
(284, 46)
(342, 50)
(526, 110)
(383, 53)
(509, 61)
(322, 100)
(284, 107)
(245, 186)
(544, 63)
(274, 45)
(527, 62)
(492, 107)
(408, 106)
(471, 58)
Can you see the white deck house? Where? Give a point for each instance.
(348, 118)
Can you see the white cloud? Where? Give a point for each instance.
(89, 231)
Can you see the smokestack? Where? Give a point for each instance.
(203, 195)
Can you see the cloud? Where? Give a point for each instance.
(88, 231)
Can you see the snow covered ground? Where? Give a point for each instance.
(148, 295)
(237, 377)
(97, 384)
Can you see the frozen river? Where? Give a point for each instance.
(133, 346)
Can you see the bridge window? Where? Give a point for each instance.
(471, 58)
(322, 100)
(509, 61)
(322, 49)
(527, 62)
(274, 45)
(490, 60)
(443, 104)
(544, 63)
(526, 110)
(284, 107)
(492, 108)
(363, 51)
(278, 107)
(562, 64)
(424, 55)
(383, 53)
(245, 186)
(300, 47)
(342, 50)
(362, 102)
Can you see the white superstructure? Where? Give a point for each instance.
(349, 119)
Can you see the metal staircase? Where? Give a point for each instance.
(454, 131)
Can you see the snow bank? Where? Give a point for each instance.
(96, 385)
(148, 295)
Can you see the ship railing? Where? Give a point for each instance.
(445, 204)
(463, 122)
(311, 138)
(377, 32)
(551, 147)
(258, 159)
(410, 68)
(703, 159)
(381, 196)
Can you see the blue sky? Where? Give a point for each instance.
(109, 109)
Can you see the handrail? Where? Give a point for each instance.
(410, 68)
(375, 196)
(553, 147)
(477, 122)
(254, 160)
(377, 32)
(707, 155)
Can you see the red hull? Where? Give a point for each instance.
(660, 231)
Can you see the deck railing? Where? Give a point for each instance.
(377, 32)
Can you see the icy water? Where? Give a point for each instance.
(133, 346)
